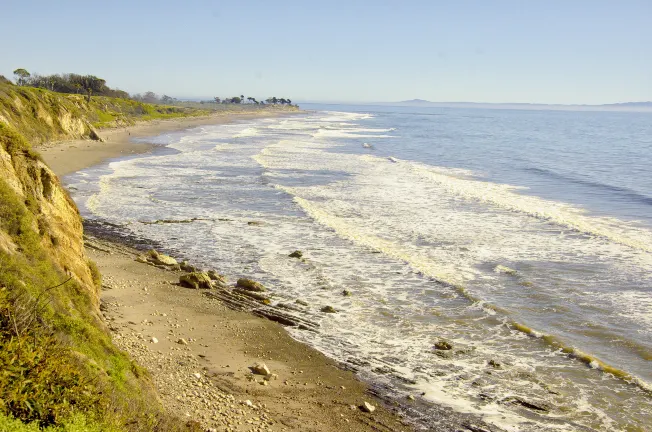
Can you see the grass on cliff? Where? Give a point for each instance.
(42, 115)
(58, 365)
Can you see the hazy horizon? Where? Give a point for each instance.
(584, 52)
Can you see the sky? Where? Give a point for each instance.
(569, 52)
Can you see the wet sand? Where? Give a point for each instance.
(70, 156)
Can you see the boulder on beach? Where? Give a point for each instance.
(346, 293)
(161, 259)
(260, 369)
(196, 280)
(215, 276)
(187, 267)
(296, 254)
(367, 407)
(142, 259)
(250, 285)
(443, 345)
(328, 309)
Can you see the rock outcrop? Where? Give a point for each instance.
(249, 285)
(196, 280)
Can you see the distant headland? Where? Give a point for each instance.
(624, 106)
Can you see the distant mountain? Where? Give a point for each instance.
(631, 104)
(416, 102)
(623, 106)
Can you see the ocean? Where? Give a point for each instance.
(521, 240)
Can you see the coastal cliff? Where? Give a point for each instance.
(58, 365)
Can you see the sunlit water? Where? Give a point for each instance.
(523, 238)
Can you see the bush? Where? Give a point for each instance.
(76, 423)
(40, 380)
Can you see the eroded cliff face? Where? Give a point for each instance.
(56, 218)
(41, 116)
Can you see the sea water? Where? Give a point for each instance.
(523, 239)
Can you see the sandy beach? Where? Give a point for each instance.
(197, 350)
(70, 156)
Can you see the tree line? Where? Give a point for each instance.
(242, 100)
(69, 83)
(90, 85)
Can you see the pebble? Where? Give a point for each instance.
(367, 407)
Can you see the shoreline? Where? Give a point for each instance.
(208, 379)
(67, 157)
(198, 352)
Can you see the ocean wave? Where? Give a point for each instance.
(620, 191)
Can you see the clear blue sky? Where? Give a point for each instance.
(554, 51)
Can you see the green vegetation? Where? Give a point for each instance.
(69, 83)
(21, 76)
(43, 115)
(76, 423)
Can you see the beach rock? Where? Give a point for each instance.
(495, 364)
(536, 406)
(253, 295)
(154, 340)
(328, 309)
(260, 369)
(301, 302)
(215, 276)
(296, 254)
(443, 345)
(367, 407)
(182, 341)
(255, 223)
(346, 293)
(250, 285)
(271, 377)
(506, 270)
(196, 280)
(187, 267)
(142, 259)
(444, 354)
(159, 258)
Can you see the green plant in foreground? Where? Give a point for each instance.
(76, 423)
(40, 380)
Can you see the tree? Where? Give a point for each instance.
(167, 99)
(217, 99)
(21, 76)
(242, 98)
